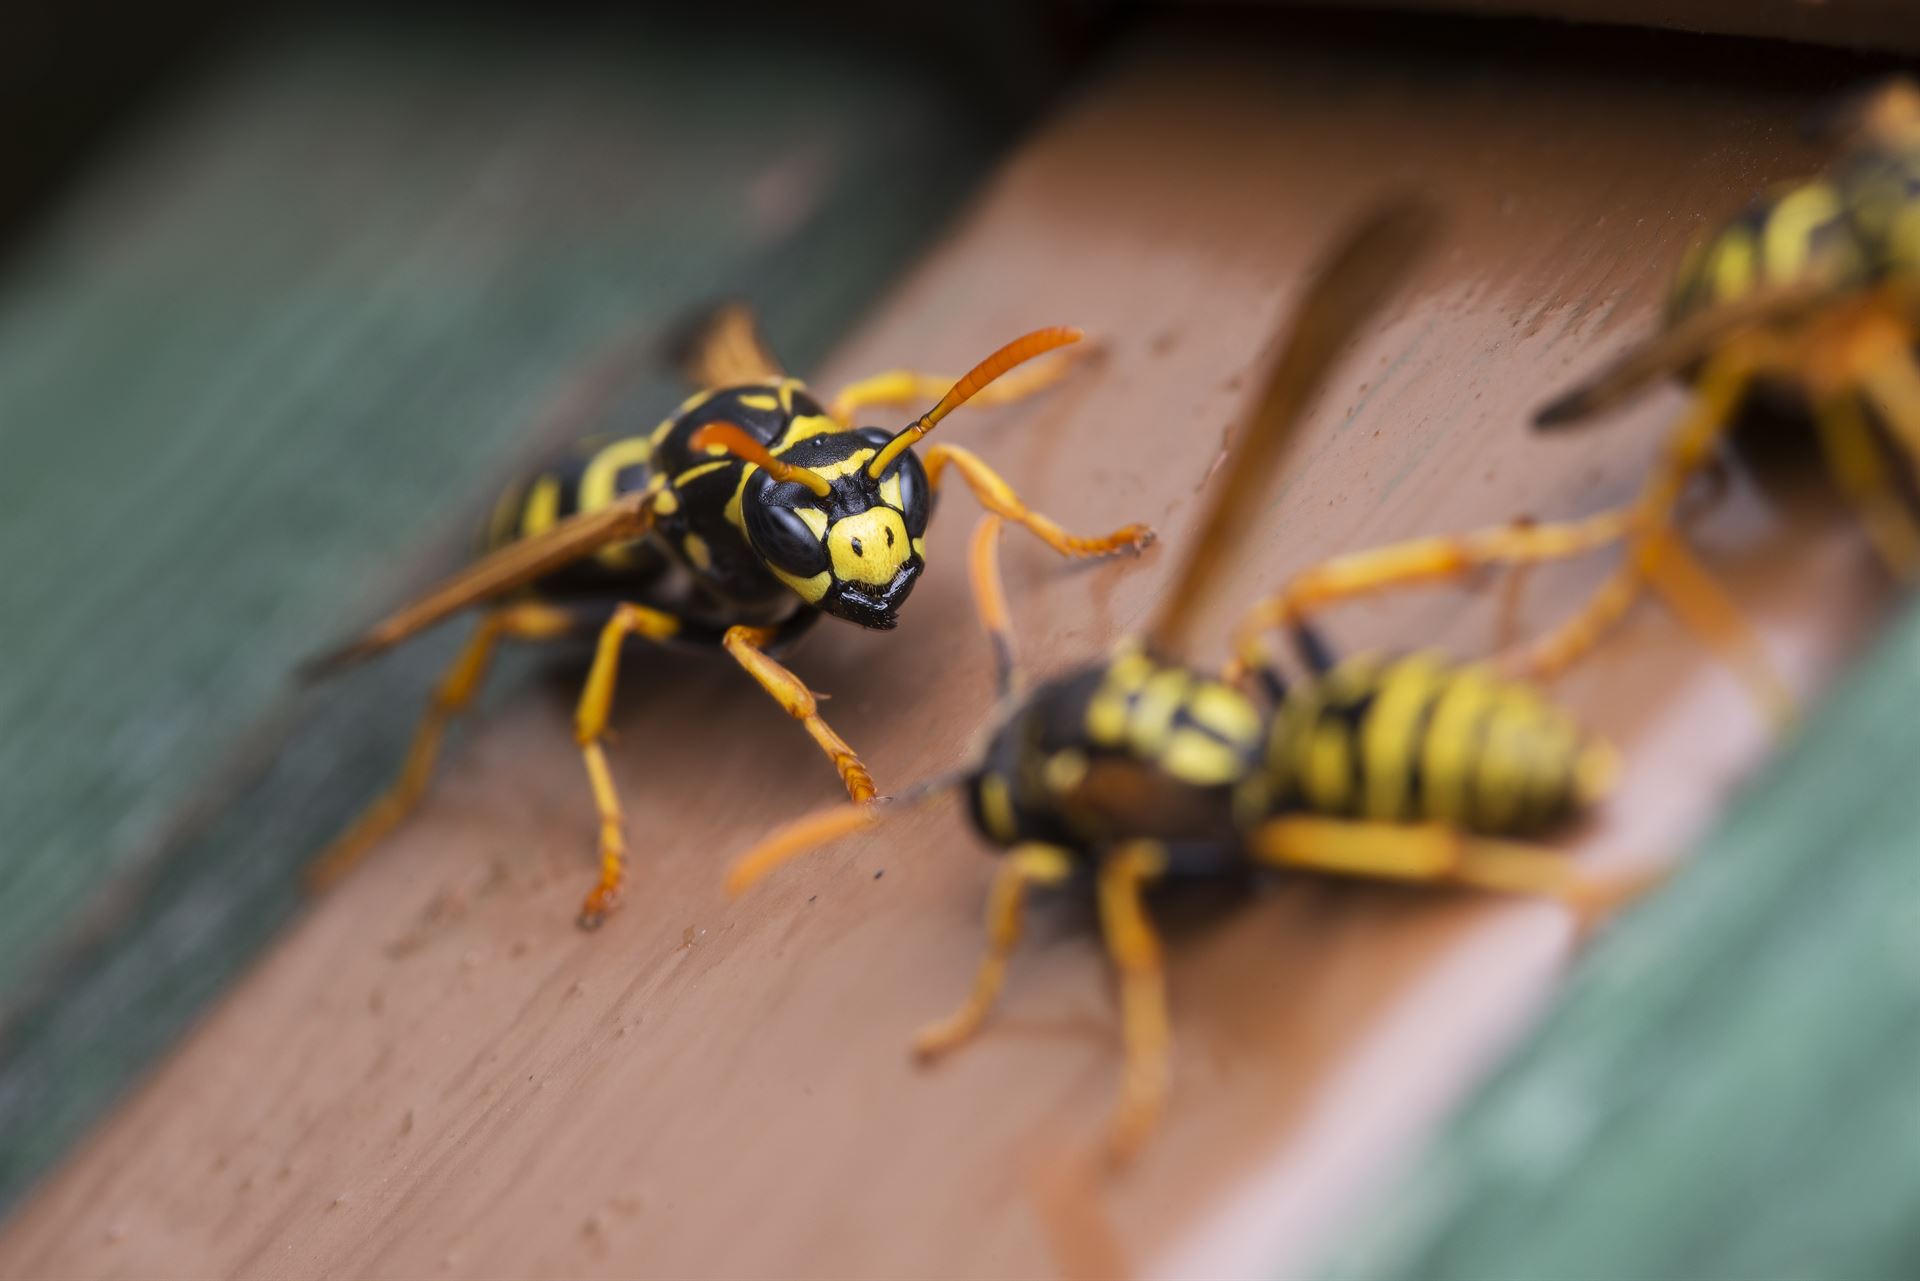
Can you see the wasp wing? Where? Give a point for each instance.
(494, 575)
(1351, 283)
(722, 348)
(1679, 346)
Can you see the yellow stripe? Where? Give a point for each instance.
(1500, 779)
(1197, 758)
(1789, 228)
(697, 552)
(996, 807)
(1733, 266)
(890, 491)
(1158, 703)
(1328, 777)
(806, 427)
(1388, 745)
(852, 463)
(597, 481)
(1446, 756)
(1224, 711)
(542, 507)
(695, 473)
(758, 400)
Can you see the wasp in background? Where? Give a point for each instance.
(741, 519)
(1806, 304)
(1142, 768)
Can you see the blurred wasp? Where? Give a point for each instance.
(1141, 768)
(1806, 304)
(737, 522)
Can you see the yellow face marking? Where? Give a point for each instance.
(806, 427)
(758, 400)
(996, 807)
(697, 552)
(1200, 759)
(1388, 746)
(541, 508)
(811, 590)
(597, 481)
(1065, 770)
(869, 547)
(890, 492)
(920, 548)
(692, 474)
(1225, 711)
(1789, 229)
(814, 518)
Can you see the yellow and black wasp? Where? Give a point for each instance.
(1805, 307)
(1142, 768)
(741, 519)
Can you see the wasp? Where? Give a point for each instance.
(1802, 309)
(737, 522)
(1142, 768)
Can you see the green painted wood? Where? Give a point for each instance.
(309, 314)
(1727, 1088)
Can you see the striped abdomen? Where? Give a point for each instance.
(1418, 739)
(1799, 233)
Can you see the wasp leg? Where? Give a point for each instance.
(590, 723)
(1686, 589)
(990, 599)
(1855, 461)
(747, 645)
(998, 497)
(1022, 867)
(526, 621)
(1135, 951)
(1893, 386)
(898, 387)
(1723, 385)
(1437, 853)
(1419, 560)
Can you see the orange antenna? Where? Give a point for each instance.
(735, 441)
(1019, 351)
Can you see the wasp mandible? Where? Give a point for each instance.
(739, 521)
(1142, 768)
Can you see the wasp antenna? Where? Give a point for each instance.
(730, 438)
(1017, 352)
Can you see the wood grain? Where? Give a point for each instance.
(435, 1073)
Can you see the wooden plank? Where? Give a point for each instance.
(434, 1071)
(1725, 1090)
(312, 314)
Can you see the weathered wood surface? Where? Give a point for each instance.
(434, 1071)
(308, 315)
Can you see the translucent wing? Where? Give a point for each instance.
(1680, 346)
(494, 575)
(1351, 283)
(722, 348)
